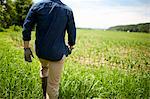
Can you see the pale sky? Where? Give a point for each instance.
(107, 13)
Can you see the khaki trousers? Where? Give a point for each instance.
(53, 71)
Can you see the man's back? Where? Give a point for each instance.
(52, 19)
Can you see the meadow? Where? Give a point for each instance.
(104, 64)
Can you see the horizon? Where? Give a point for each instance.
(102, 14)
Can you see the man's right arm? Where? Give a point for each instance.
(71, 30)
(28, 25)
(27, 28)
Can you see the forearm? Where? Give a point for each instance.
(71, 47)
(26, 44)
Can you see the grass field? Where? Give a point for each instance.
(104, 64)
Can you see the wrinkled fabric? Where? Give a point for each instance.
(50, 28)
(53, 71)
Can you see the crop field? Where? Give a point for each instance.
(104, 64)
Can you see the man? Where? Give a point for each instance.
(52, 18)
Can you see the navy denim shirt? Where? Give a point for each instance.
(51, 26)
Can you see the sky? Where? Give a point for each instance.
(107, 13)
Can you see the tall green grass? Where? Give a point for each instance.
(104, 64)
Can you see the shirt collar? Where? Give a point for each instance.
(55, 0)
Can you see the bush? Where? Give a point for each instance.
(15, 28)
(2, 29)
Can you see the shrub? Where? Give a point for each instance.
(2, 29)
(15, 28)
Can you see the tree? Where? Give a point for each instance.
(22, 8)
(143, 27)
(7, 13)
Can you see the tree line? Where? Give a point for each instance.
(13, 12)
(143, 27)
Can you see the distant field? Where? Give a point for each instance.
(104, 64)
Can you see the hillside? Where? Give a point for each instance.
(143, 27)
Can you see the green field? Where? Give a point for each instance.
(104, 64)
